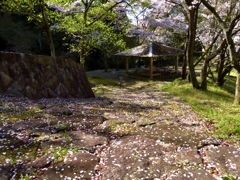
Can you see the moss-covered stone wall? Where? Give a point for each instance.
(37, 76)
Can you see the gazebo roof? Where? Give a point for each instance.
(151, 50)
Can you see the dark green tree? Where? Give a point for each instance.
(36, 11)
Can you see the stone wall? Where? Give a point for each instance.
(37, 76)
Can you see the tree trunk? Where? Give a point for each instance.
(47, 29)
(237, 90)
(204, 74)
(222, 68)
(184, 65)
(234, 60)
(193, 14)
(82, 54)
(220, 80)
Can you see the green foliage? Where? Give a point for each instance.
(97, 81)
(25, 177)
(214, 106)
(61, 152)
(92, 26)
(30, 8)
(229, 177)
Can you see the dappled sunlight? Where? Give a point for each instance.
(133, 130)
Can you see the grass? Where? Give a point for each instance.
(215, 106)
(97, 81)
(101, 86)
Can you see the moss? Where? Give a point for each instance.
(22, 153)
(61, 152)
(123, 128)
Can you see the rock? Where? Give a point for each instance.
(43, 161)
(30, 92)
(191, 173)
(135, 158)
(78, 165)
(62, 91)
(5, 80)
(86, 141)
(222, 159)
(13, 91)
(19, 85)
(172, 133)
(189, 156)
(6, 172)
(81, 122)
(59, 111)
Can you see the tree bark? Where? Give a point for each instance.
(47, 29)
(223, 68)
(221, 76)
(204, 74)
(193, 15)
(184, 65)
(237, 90)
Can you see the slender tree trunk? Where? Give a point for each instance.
(47, 29)
(184, 65)
(220, 80)
(234, 60)
(221, 63)
(204, 74)
(237, 90)
(193, 15)
(223, 69)
(82, 55)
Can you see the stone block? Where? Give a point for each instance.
(12, 90)
(30, 92)
(5, 80)
(10, 57)
(62, 91)
(14, 71)
(44, 60)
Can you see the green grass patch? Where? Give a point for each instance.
(98, 81)
(102, 86)
(214, 106)
(60, 153)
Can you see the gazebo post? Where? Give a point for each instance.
(126, 64)
(151, 68)
(176, 64)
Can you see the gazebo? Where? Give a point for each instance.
(151, 51)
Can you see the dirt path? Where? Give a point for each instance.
(131, 131)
